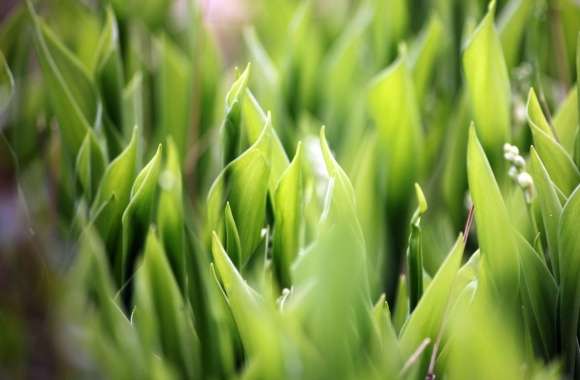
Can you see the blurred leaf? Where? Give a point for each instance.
(536, 115)
(569, 247)
(71, 90)
(427, 51)
(133, 104)
(161, 315)
(175, 95)
(512, 23)
(394, 109)
(494, 229)
(288, 216)
(6, 84)
(90, 165)
(488, 84)
(565, 121)
(232, 237)
(109, 70)
(401, 304)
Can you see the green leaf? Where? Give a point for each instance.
(170, 215)
(541, 295)
(569, 247)
(175, 85)
(71, 90)
(512, 23)
(133, 104)
(558, 163)
(565, 121)
(536, 115)
(394, 109)
(427, 318)
(117, 181)
(550, 207)
(427, 51)
(232, 237)
(401, 304)
(488, 85)
(494, 229)
(6, 83)
(161, 315)
(231, 129)
(90, 165)
(389, 344)
(288, 216)
(244, 183)
(138, 215)
(254, 121)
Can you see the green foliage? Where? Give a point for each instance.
(180, 217)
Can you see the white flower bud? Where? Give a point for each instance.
(525, 180)
(513, 172)
(519, 162)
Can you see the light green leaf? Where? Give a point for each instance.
(288, 217)
(244, 183)
(401, 304)
(536, 115)
(232, 237)
(133, 104)
(488, 85)
(569, 247)
(427, 318)
(558, 163)
(565, 121)
(231, 129)
(494, 229)
(394, 109)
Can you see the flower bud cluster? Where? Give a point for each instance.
(517, 170)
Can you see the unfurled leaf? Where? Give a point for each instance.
(569, 248)
(244, 184)
(488, 84)
(558, 163)
(536, 115)
(550, 207)
(231, 129)
(170, 217)
(494, 229)
(90, 165)
(394, 109)
(427, 318)
(540, 295)
(117, 181)
(288, 216)
(138, 215)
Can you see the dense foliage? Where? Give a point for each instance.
(388, 189)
